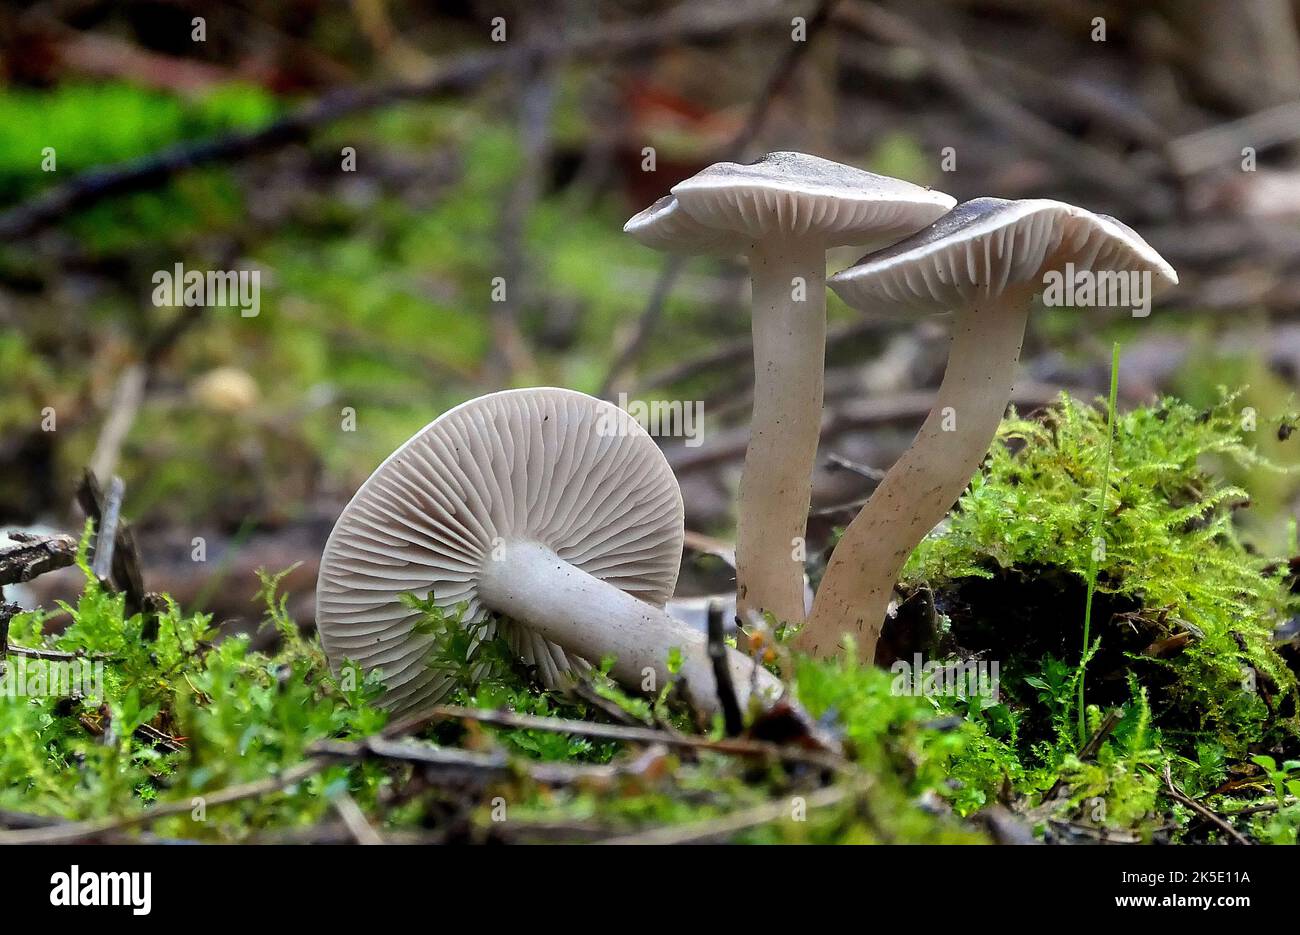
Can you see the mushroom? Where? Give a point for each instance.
(549, 507)
(784, 212)
(984, 261)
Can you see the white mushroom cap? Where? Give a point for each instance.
(727, 207)
(547, 466)
(985, 247)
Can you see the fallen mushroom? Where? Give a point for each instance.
(984, 261)
(784, 212)
(546, 506)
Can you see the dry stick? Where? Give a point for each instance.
(34, 555)
(128, 394)
(124, 574)
(1089, 749)
(55, 831)
(322, 755)
(1108, 724)
(1265, 807)
(354, 820)
(1207, 148)
(78, 830)
(1210, 816)
(106, 537)
(724, 827)
(461, 74)
(628, 734)
(855, 467)
(753, 126)
(456, 762)
(732, 720)
(51, 655)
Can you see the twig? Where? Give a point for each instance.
(1264, 807)
(128, 394)
(1210, 816)
(106, 534)
(862, 470)
(67, 832)
(354, 820)
(753, 126)
(457, 762)
(461, 74)
(51, 655)
(35, 555)
(734, 746)
(1108, 724)
(725, 827)
(732, 720)
(1206, 148)
(125, 575)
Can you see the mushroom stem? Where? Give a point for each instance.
(923, 484)
(592, 618)
(789, 320)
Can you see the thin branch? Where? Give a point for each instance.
(1223, 143)
(125, 575)
(128, 394)
(855, 467)
(35, 555)
(732, 719)
(68, 832)
(52, 655)
(733, 746)
(106, 534)
(459, 75)
(354, 820)
(727, 826)
(1213, 817)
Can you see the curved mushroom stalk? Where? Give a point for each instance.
(984, 260)
(921, 487)
(561, 603)
(545, 505)
(785, 211)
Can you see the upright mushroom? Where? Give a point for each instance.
(784, 212)
(984, 261)
(547, 506)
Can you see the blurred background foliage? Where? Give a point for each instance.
(377, 283)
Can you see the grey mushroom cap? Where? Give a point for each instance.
(547, 466)
(985, 247)
(727, 207)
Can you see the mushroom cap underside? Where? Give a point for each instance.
(985, 248)
(543, 465)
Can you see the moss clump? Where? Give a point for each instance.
(1184, 655)
(1181, 601)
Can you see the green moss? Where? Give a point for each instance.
(180, 715)
(1183, 618)
(1170, 563)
